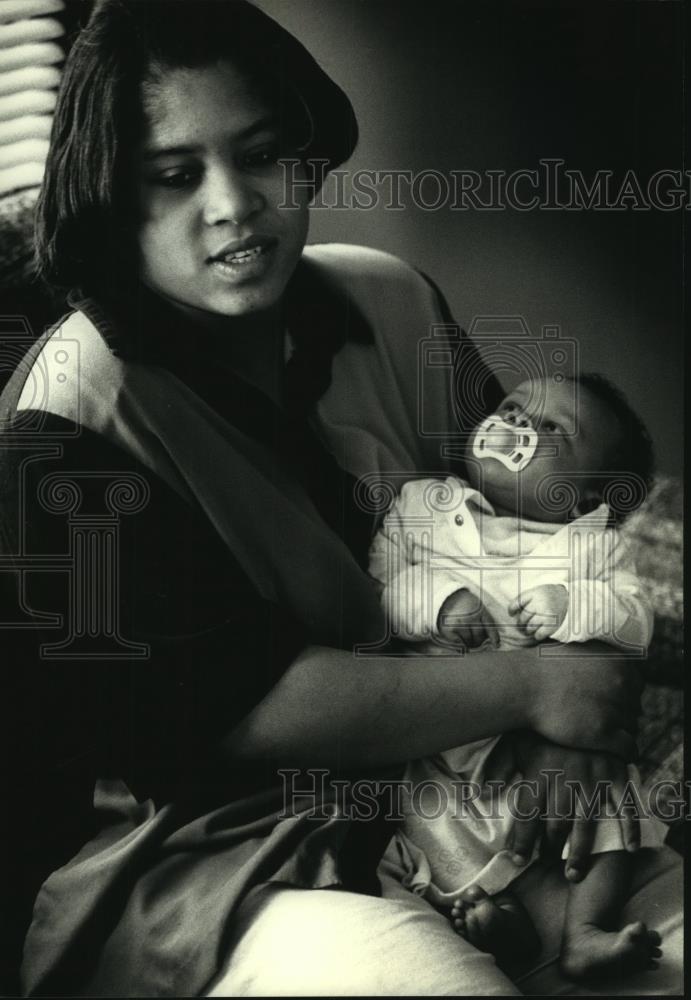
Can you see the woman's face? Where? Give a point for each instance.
(218, 228)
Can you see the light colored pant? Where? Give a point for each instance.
(305, 942)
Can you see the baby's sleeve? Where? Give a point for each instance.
(414, 580)
(606, 601)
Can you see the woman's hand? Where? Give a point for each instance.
(569, 791)
(587, 701)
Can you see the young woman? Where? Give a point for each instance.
(243, 392)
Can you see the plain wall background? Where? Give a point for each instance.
(453, 85)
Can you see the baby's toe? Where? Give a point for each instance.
(458, 919)
(473, 895)
(473, 929)
(651, 940)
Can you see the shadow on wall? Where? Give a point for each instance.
(462, 87)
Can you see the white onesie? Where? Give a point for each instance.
(441, 536)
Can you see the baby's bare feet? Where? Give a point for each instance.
(499, 925)
(589, 952)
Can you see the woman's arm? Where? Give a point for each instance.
(326, 705)
(331, 707)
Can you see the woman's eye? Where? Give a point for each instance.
(267, 156)
(549, 426)
(175, 179)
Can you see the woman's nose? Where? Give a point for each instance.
(230, 197)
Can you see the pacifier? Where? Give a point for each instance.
(510, 444)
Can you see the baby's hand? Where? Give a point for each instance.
(462, 620)
(539, 612)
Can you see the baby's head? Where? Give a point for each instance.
(579, 432)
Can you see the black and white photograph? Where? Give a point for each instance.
(341, 497)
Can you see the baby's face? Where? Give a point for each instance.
(549, 408)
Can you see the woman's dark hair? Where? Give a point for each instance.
(631, 452)
(83, 223)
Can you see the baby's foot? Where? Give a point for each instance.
(588, 951)
(500, 926)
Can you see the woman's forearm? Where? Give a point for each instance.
(333, 707)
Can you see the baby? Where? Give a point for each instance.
(524, 551)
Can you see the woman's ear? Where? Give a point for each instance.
(589, 501)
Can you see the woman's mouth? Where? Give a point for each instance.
(243, 262)
(241, 256)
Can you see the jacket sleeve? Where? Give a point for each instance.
(162, 655)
